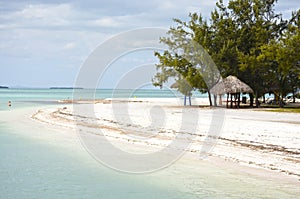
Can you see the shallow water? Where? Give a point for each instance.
(37, 164)
(32, 169)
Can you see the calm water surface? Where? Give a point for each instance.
(35, 168)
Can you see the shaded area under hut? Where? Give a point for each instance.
(233, 87)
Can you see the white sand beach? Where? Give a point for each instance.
(266, 143)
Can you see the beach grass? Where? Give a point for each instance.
(281, 110)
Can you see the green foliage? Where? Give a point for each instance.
(184, 87)
(246, 38)
(283, 58)
(174, 64)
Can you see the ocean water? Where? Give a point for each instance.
(58, 94)
(30, 97)
(33, 166)
(32, 169)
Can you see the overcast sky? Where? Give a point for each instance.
(44, 43)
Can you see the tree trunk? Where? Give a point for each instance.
(190, 101)
(251, 99)
(215, 100)
(281, 104)
(220, 100)
(294, 97)
(209, 97)
(280, 97)
(256, 99)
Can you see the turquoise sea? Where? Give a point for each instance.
(33, 167)
(29, 96)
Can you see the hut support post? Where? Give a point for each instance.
(251, 100)
(235, 100)
(190, 102)
(239, 99)
(227, 100)
(184, 102)
(220, 100)
(231, 101)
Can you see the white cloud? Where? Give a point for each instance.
(41, 11)
(167, 5)
(70, 45)
(54, 34)
(40, 15)
(106, 22)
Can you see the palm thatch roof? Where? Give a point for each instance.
(175, 85)
(230, 84)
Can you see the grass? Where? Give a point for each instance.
(289, 108)
(282, 110)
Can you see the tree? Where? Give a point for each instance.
(256, 25)
(172, 66)
(182, 61)
(283, 58)
(294, 45)
(246, 38)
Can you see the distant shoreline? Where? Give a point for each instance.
(65, 88)
(4, 87)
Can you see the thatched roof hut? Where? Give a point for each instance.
(175, 85)
(233, 87)
(230, 85)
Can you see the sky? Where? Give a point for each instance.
(46, 43)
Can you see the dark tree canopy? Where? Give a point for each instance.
(245, 38)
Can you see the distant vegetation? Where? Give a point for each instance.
(65, 88)
(247, 39)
